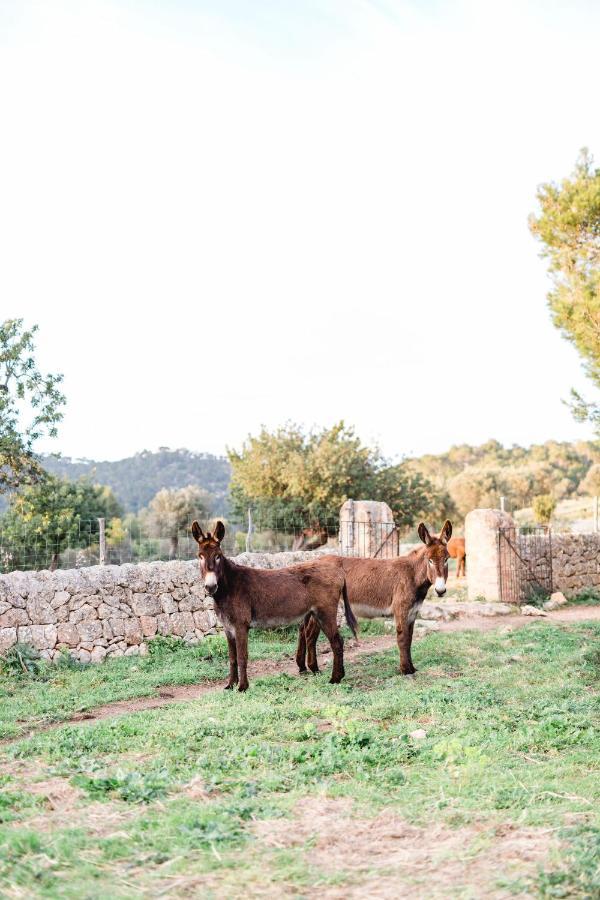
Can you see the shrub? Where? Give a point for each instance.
(21, 660)
(164, 643)
(543, 508)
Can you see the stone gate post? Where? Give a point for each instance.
(481, 545)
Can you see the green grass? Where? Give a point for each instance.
(58, 692)
(512, 736)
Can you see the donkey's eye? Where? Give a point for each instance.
(430, 562)
(217, 557)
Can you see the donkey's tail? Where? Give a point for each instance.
(350, 617)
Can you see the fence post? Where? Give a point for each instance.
(596, 516)
(502, 504)
(102, 541)
(249, 533)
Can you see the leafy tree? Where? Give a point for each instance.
(568, 226)
(293, 476)
(30, 405)
(590, 485)
(45, 518)
(172, 511)
(543, 508)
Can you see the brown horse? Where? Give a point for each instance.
(268, 598)
(388, 587)
(456, 549)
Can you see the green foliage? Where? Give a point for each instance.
(164, 643)
(137, 479)
(590, 485)
(568, 226)
(132, 787)
(45, 518)
(578, 876)
(172, 511)
(30, 405)
(21, 661)
(586, 597)
(294, 476)
(543, 508)
(478, 476)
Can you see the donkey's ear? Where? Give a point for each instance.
(423, 533)
(446, 532)
(219, 532)
(197, 532)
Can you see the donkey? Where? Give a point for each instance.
(388, 587)
(311, 538)
(268, 598)
(456, 549)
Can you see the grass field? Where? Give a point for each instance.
(300, 785)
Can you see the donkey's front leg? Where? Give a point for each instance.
(404, 630)
(241, 642)
(233, 666)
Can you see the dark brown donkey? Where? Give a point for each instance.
(268, 598)
(388, 587)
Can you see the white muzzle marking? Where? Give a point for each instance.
(440, 585)
(210, 580)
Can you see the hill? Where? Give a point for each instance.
(479, 476)
(136, 479)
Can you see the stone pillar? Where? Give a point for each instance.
(367, 528)
(481, 545)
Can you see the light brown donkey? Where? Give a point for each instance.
(268, 598)
(388, 587)
(456, 549)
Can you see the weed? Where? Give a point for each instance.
(21, 660)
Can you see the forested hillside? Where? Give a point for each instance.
(136, 479)
(478, 476)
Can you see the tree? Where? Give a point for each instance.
(289, 476)
(45, 518)
(590, 485)
(30, 405)
(568, 225)
(172, 511)
(543, 508)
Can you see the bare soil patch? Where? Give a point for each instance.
(386, 857)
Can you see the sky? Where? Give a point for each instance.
(224, 214)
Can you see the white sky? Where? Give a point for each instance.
(230, 213)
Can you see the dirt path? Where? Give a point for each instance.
(183, 693)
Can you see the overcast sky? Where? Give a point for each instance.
(241, 212)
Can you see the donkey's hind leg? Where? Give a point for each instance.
(311, 632)
(301, 648)
(329, 625)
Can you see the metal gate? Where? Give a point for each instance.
(525, 563)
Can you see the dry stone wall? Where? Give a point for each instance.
(575, 562)
(105, 611)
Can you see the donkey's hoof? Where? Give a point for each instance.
(243, 687)
(229, 686)
(302, 671)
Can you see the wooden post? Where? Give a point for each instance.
(596, 514)
(102, 537)
(249, 532)
(502, 504)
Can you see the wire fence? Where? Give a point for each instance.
(89, 542)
